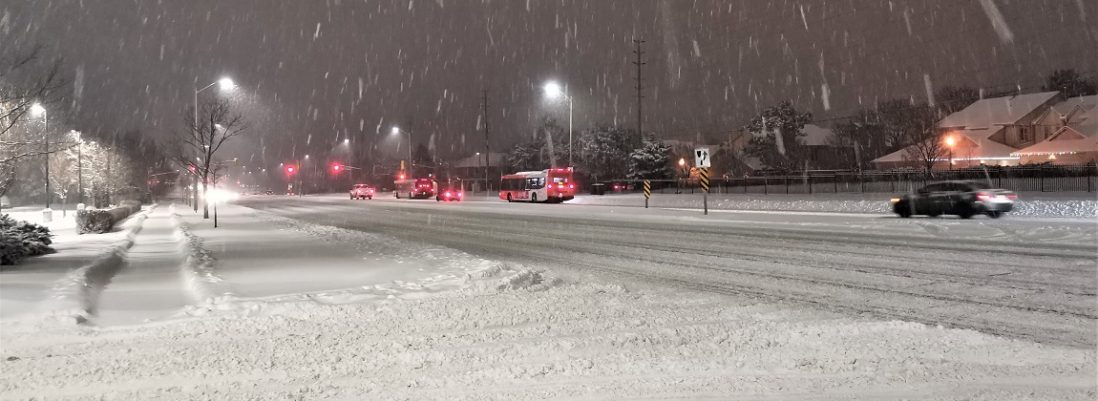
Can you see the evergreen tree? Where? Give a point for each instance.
(651, 161)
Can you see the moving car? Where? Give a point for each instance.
(961, 198)
(449, 194)
(362, 191)
(417, 188)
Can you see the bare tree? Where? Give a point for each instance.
(198, 145)
(22, 83)
(927, 151)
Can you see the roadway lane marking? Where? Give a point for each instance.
(783, 212)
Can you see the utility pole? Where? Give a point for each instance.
(487, 160)
(640, 84)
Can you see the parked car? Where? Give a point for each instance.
(362, 191)
(449, 194)
(961, 198)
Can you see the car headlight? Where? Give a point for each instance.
(894, 200)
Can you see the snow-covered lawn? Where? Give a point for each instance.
(425, 322)
(1072, 204)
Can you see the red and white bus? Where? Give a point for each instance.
(416, 188)
(552, 185)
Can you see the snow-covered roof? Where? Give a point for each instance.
(815, 135)
(988, 113)
(974, 144)
(495, 159)
(1076, 105)
(1080, 135)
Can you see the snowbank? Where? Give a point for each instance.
(1028, 205)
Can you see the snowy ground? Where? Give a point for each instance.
(451, 301)
(1066, 204)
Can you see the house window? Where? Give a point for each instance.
(1025, 134)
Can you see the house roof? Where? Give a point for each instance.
(815, 135)
(988, 113)
(1082, 103)
(976, 144)
(1080, 135)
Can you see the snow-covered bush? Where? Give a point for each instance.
(99, 221)
(19, 239)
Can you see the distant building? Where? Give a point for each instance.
(472, 170)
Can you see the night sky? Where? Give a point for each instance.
(313, 72)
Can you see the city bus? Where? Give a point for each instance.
(416, 188)
(552, 185)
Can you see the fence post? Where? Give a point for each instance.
(766, 186)
(786, 180)
(808, 181)
(835, 180)
(1041, 178)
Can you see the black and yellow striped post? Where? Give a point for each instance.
(703, 178)
(647, 192)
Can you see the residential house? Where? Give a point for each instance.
(474, 168)
(988, 131)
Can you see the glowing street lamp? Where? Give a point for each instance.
(397, 131)
(950, 141)
(554, 91)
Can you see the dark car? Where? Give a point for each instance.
(449, 194)
(961, 198)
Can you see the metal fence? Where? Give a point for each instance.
(1082, 178)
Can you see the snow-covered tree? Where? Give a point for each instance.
(605, 151)
(652, 161)
(777, 135)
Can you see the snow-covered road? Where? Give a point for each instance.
(1030, 278)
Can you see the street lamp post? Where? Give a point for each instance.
(79, 167)
(38, 109)
(224, 84)
(397, 131)
(950, 141)
(553, 91)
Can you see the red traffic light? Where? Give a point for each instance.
(336, 168)
(291, 169)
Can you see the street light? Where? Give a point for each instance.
(79, 166)
(950, 141)
(397, 131)
(553, 91)
(38, 110)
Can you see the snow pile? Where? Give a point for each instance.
(198, 270)
(1071, 205)
(505, 277)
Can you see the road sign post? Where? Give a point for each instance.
(703, 178)
(647, 192)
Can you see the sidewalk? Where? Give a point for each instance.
(260, 255)
(149, 285)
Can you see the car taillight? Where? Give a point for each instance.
(983, 196)
(570, 186)
(447, 194)
(459, 194)
(1012, 196)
